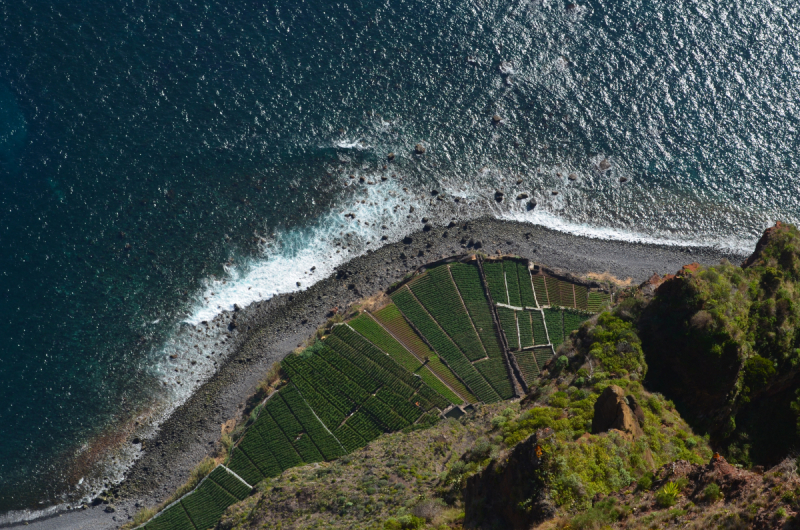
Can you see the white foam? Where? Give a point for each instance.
(340, 235)
(195, 351)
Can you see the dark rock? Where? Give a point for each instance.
(510, 493)
(496, 119)
(419, 149)
(384, 237)
(236, 307)
(451, 224)
(604, 165)
(638, 412)
(554, 192)
(403, 255)
(411, 209)
(136, 440)
(427, 228)
(434, 192)
(498, 196)
(623, 179)
(531, 205)
(408, 240)
(445, 234)
(390, 156)
(424, 219)
(573, 176)
(522, 196)
(110, 509)
(478, 244)
(361, 179)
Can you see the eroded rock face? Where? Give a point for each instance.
(508, 493)
(612, 411)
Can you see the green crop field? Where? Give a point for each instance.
(567, 294)
(525, 286)
(542, 355)
(438, 294)
(573, 320)
(598, 301)
(393, 320)
(539, 334)
(525, 329)
(173, 518)
(555, 326)
(468, 281)
(444, 346)
(581, 298)
(206, 504)
(512, 283)
(554, 291)
(527, 365)
(541, 290)
(436, 345)
(495, 279)
(494, 370)
(509, 323)
(230, 483)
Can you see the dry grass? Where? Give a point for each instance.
(610, 278)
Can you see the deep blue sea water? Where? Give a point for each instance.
(160, 161)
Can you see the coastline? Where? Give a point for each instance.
(267, 331)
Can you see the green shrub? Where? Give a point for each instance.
(615, 344)
(645, 482)
(655, 405)
(405, 522)
(668, 494)
(602, 514)
(757, 373)
(561, 363)
(712, 493)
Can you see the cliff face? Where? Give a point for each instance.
(724, 342)
(510, 493)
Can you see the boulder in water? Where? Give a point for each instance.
(419, 149)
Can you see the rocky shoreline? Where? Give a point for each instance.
(267, 331)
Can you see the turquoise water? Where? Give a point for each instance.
(160, 161)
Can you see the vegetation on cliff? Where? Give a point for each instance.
(620, 426)
(724, 342)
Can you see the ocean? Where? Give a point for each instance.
(163, 161)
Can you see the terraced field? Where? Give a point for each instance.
(455, 334)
